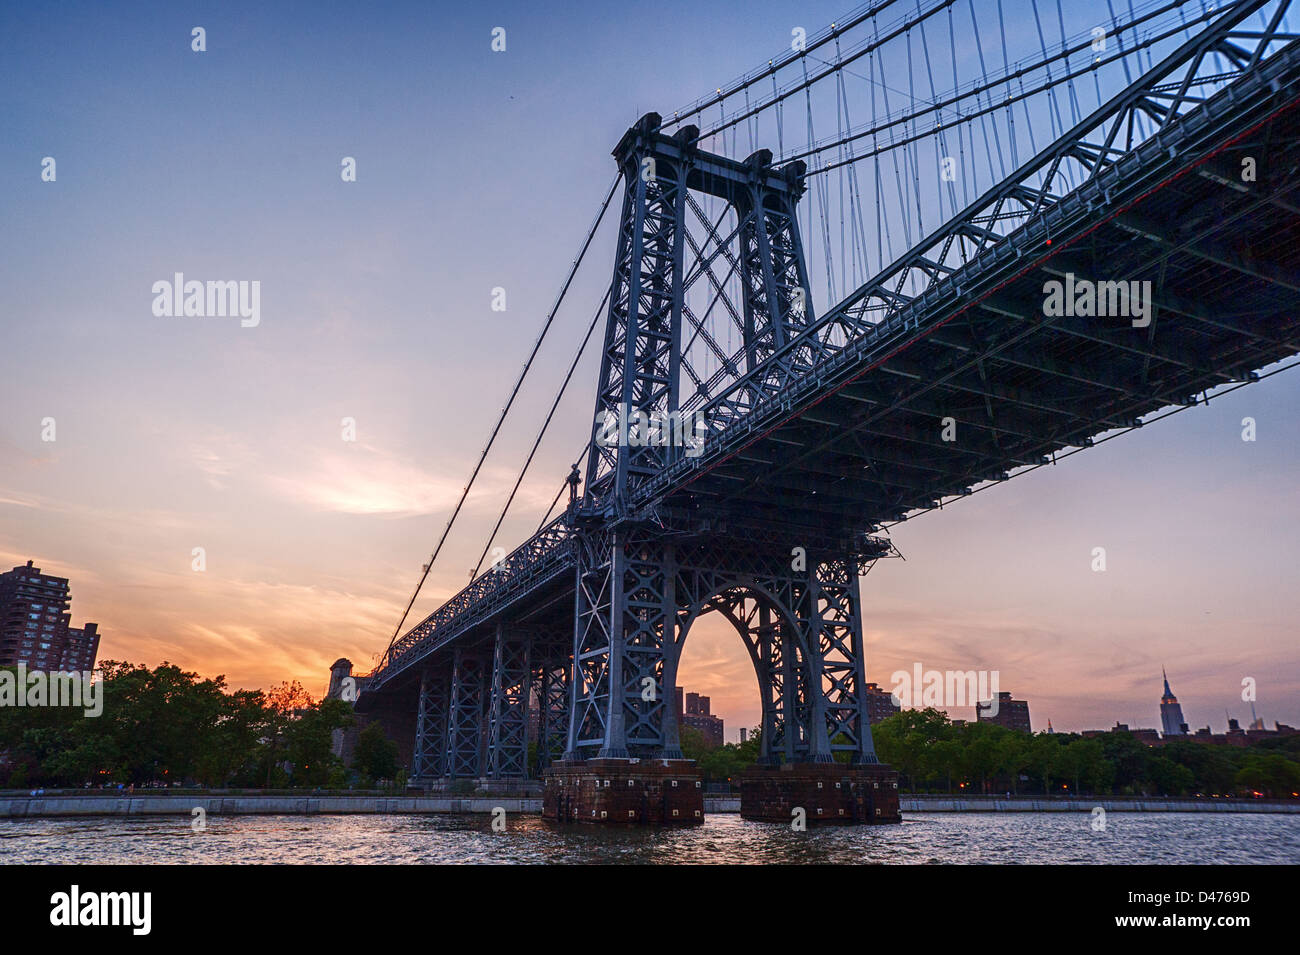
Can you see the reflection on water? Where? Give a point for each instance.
(922, 838)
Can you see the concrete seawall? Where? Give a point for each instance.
(175, 804)
(1086, 804)
(17, 807)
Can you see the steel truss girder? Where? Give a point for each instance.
(887, 312)
(542, 558)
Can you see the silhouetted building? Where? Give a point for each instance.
(1171, 714)
(35, 624)
(1012, 714)
(696, 715)
(1148, 736)
(1235, 736)
(1256, 730)
(881, 704)
(81, 648)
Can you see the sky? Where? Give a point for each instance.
(480, 170)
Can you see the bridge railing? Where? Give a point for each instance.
(886, 309)
(541, 555)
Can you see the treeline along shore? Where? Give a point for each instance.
(157, 730)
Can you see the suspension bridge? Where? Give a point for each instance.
(933, 247)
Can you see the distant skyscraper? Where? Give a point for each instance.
(1171, 714)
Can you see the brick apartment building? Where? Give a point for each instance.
(881, 704)
(693, 711)
(35, 624)
(1012, 714)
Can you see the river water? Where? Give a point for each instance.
(1019, 837)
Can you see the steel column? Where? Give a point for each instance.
(508, 708)
(429, 761)
(468, 697)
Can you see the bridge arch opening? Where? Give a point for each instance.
(778, 655)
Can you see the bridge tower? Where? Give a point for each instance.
(644, 574)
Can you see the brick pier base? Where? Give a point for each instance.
(648, 792)
(827, 792)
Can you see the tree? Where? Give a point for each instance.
(1013, 756)
(749, 751)
(902, 740)
(283, 702)
(156, 725)
(241, 725)
(1081, 761)
(1167, 777)
(1044, 755)
(694, 745)
(1214, 768)
(376, 755)
(1271, 774)
(286, 698)
(944, 759)
(1128, 757)
(982, 742)
(309, 742)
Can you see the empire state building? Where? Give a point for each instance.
(1171, 714)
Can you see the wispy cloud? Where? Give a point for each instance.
(364, 480)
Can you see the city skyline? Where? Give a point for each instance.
(1168, 699)
(174, 434)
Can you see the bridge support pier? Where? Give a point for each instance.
(647, 792)
(864, 794)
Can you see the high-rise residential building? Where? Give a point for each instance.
(696, 715)
(1171, 714)
(35, 625)
(81, 649)
(881, 704)
(1012, 714)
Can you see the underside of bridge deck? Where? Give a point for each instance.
(1189, 286)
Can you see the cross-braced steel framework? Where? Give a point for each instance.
(799, 616)
(650, 330)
